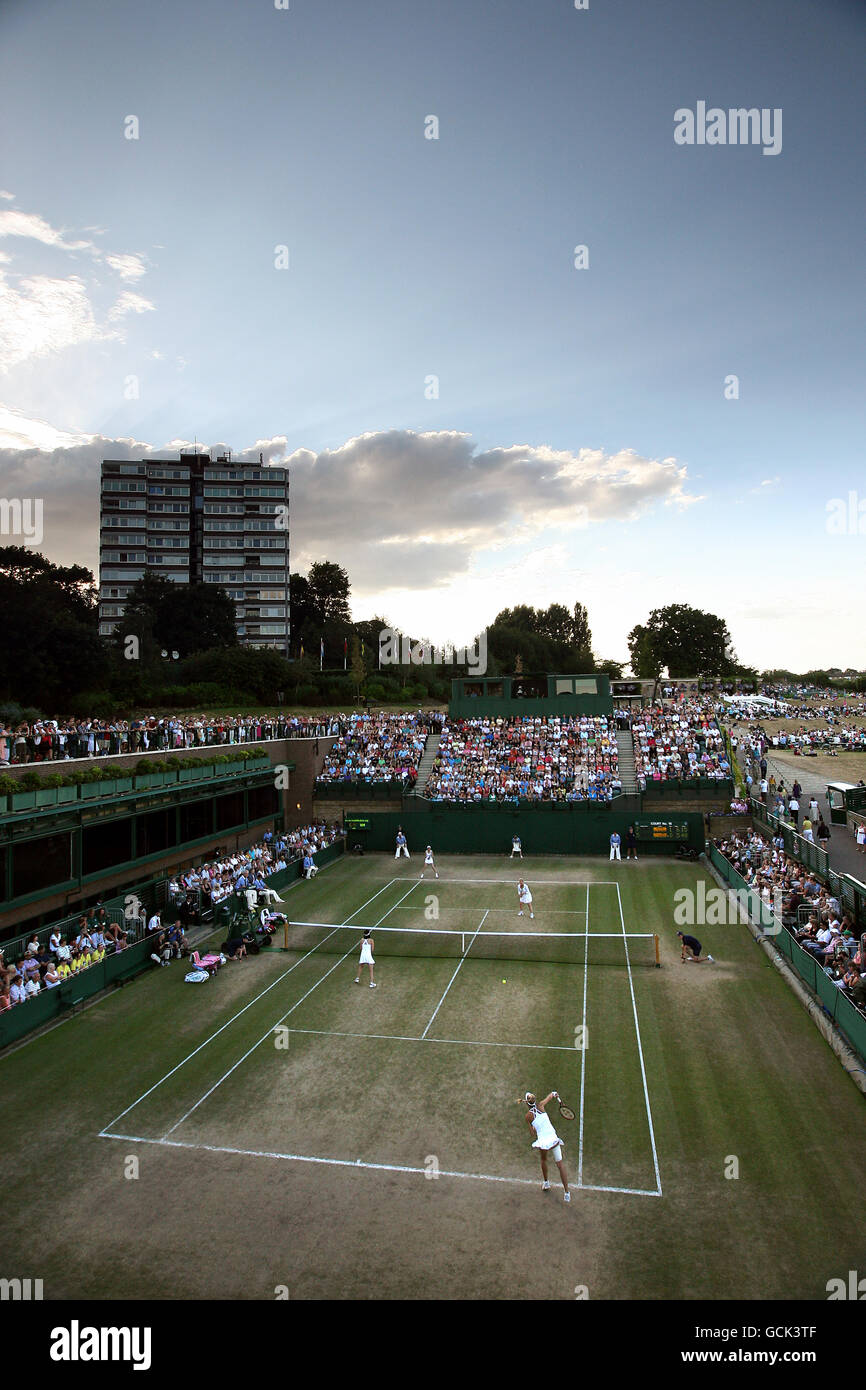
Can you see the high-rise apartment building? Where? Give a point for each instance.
(197, 519)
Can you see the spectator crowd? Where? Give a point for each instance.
(46, 963)
(526, 759)
(377, 748)
(809, 909)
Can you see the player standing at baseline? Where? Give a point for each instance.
(546, 1140)
(428, 863)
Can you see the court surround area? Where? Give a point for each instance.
(282, 1125)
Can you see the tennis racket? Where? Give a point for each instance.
(565, 1110)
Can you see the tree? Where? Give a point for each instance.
(329, 590)
(306, 617)
(185, 618)
(685, 640)
(48, 620)
(581, 635)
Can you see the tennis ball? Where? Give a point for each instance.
(505, 982)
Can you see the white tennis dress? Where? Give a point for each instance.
(366, 954)
(546, 1136)
(524, 894)
(428, 856)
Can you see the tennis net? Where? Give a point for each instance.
(566, 948)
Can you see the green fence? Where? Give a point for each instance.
(690, 787)
(358, 791)
(17, 1022)
(843, 1012)
(546, 827)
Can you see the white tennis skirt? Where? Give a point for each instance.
(366, 955)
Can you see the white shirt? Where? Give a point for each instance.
(546, 1136)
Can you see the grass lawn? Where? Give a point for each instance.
(281, 1125)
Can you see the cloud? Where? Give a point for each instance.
(128, 267)
(400, 510)
(46, 313)
(129, 303)
(7, 197)
(20, 432)
(415, 508)
(30, 224)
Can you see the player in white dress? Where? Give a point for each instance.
(428, 862)
(366, 958)
(524, 897)
(546, 1140)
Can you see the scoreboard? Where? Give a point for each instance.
(664, 831)
(356, 822)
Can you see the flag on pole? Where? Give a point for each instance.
(302, 648)
(345, 651)
(321, 654)
(362, 646)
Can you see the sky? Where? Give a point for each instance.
(231, 223)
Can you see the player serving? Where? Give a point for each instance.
(524, 897)
(546, 1140)
(428, 863)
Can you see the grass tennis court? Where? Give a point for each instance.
(283, 1126)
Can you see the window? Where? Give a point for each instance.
(120, 485)
(36, 864)
(121, 574)
(168, 507)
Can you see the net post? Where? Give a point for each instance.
(658, 961)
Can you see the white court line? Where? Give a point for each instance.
(545, 882)
(454, 1042)
(270, 1031)
(359, 1163)
(552, 912)
(583, 1049)
(221, 1029)
(639, 1047)
(454, 976)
